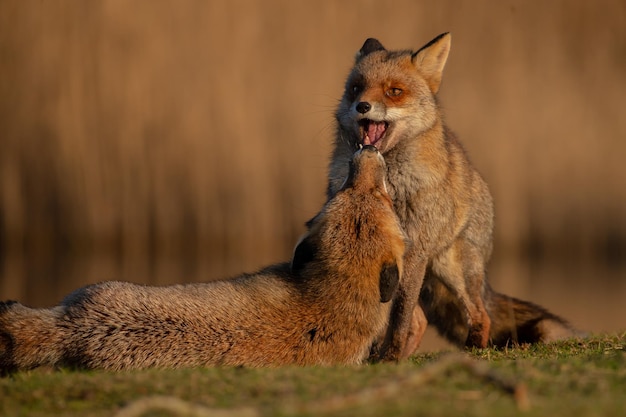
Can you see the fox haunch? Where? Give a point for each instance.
(325, 307)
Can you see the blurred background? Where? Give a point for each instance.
(161, 142)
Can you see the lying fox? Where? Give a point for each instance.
(443, 204)
(324, 307)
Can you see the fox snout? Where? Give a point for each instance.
(370, 124)
(371, 149)
(368, 170)
(369, 154)
(370, 120)
(368, 107)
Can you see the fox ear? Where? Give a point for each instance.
(431, 59)
(370, 45)
(303, 253)
(310, 222)
(389, 281)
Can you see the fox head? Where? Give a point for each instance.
(390, 95)
(357, 237)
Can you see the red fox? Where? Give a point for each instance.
(325, 307)
(443, 204)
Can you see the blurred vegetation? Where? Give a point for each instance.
(159, 141)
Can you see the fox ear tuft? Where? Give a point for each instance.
(389, 281)
(304, 253)
(431, 58)
(370, 45)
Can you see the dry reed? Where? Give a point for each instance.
(157, 141)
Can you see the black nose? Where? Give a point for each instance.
(363, 107)
(369, 148)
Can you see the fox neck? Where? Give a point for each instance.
(345, 288)
(424, 157)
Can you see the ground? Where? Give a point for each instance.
(584, 377)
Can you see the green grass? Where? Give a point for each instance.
(573, 378)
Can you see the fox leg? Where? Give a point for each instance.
(479, 321)
(28, 337)
(416, 332)
(404, 331)
(461, 269)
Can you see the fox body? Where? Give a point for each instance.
(444, 205)
(325, 307)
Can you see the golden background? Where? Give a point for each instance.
(167, 141)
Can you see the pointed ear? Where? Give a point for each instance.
(431, 59)
(389, 281)
(370, 45)
(304, 253)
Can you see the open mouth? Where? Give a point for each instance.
(372, 132)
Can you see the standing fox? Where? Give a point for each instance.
(325, 307)
(443, 204)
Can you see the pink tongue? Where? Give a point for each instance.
(375, 131)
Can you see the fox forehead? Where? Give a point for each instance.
(385, 68)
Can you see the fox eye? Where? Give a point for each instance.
(355, 89)
(394, 92)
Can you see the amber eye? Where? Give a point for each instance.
(394, 92)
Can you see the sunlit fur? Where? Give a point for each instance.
(324, 307)
(443, 204)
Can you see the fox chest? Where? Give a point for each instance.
(429, 218)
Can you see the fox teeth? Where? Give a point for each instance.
(372, 132)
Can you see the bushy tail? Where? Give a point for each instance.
(28, 337)
(518, 321)
(513, 321)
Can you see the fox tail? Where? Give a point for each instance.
(517, 321)
(513, 321)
